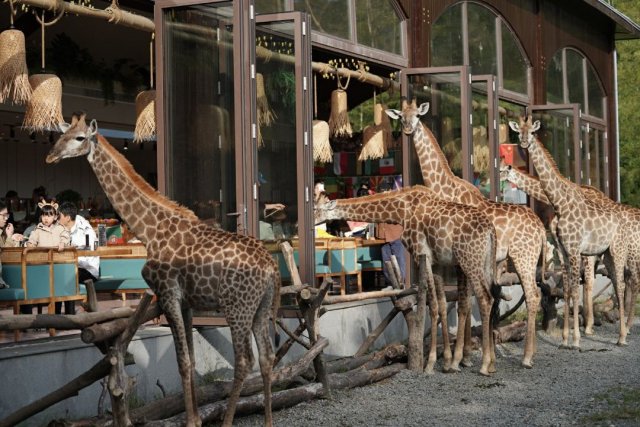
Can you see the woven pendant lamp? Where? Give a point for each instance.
(322, 151)
(376, 138)
(266, 116)
(339, 124)
(145, 129)
(44, 110)
(14, 75)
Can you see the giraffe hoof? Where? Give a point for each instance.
(485, 373)
(565, 347)
(588, 331)
(622, 343)
(466, 362)
(527, 365)
(452, 370)
(428, 371)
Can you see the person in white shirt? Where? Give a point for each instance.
(82, 236)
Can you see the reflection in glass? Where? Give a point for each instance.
(575, 77)
(480, 139)
(199, 110)
(444, 118)
(446, 38)
(595, 93)
(329, 17)
(509, 151)
(596, 158)
(555, 91)
(371, 16)
(556, 134)
(277, 148)
(514, 65)
(482, 40)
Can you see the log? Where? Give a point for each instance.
(103, 331)
(398, 293)
(287, 252)
(373, 336)
(515, 331)
(172, 405)
(416, 320)
(287, 398)
(390, 354)
(284, 348)
(92, 298)
(62, 321)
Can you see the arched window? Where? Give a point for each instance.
(468, 33)
(571, 79)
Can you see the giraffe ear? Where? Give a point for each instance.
(64, 126)
(514, 126)
(331, 204)
(394, 114)
(536, 126)
(424, 107)
(93, 127)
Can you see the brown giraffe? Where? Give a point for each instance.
(531, 186)
(448, 234)
(586, 226)
(521, 236)
(189, 265)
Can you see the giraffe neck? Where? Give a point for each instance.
(437, 174)
(143, 209)
(528, 184)
(385, 207)
(561, 192)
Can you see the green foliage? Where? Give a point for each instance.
(629, 99)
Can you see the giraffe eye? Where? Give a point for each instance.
(79, 138)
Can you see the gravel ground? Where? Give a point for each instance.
(563, 388)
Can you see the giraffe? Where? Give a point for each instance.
(448, 234)
(531, 186)
(521, 236)
(586, 226)
(189, 265)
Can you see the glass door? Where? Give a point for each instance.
(560, 134)
(282, 157)
(484, 122)
(198, 106)
(447, 89)
(596, 162)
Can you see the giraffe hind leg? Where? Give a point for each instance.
(243, 361)
(265, 351)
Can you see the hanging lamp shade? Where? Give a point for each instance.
(44, 109)
(14, 75)
(322, 151)
(376, 138)
(339, 124)
(145, 129)
(265, 115)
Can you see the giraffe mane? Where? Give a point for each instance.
(145, 188)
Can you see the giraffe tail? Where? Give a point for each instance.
(275, 306)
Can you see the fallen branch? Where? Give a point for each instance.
(62, 321)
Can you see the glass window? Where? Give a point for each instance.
(327, 16)
(510, 152)
(277, 148)
(371, 16)
(514, 65)
(595, 94)
(446, 38)
(200, 133)
(480, 138)
(583, 85)
(596, 158)
(482, 40)
(575, 77)
(556, 134)
(488, 39)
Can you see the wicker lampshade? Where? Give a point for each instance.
(14, 75)
(339, 124)
(44, 110)
(376, 138)
(145, 129)
(321, 147)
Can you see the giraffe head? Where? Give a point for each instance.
(409, 116)
(77, 139)
(323, 209)
(525, 130)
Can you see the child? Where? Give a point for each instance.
(48, 233)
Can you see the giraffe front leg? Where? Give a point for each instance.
(587, 294)
(464, 309)
(444, 323)
(613, 261)
(631, 290)
(575, 298)
(433, 311)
